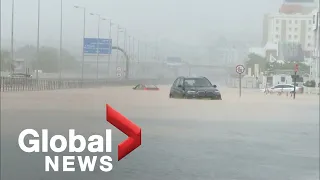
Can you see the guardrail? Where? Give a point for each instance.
(29, 84)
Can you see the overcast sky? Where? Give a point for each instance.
(183, 21)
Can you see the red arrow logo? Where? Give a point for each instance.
(127, 127)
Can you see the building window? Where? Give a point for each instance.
(290, 36)
(277, 36)
(295, 29)
(295, 37)
(277, 28)
(309, 37)
(309, 44)
(290, 29)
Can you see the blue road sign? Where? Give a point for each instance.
(91, 46)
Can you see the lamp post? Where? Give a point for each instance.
(138, 51)
(84, 35)
(110, 55)
(98, 42)
(60, 51)
(38, 42)
(129, 50)
(119, 29)
(12, 37)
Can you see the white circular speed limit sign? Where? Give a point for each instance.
(119, 68)
(240, 69)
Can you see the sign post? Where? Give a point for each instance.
(296, 68)
(240, 69)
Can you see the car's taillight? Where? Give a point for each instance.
(145, 89)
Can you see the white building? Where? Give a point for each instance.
(295, 28)
(315, 65)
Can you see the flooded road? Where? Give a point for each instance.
(255, 137)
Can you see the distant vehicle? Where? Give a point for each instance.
(20, 75)
(173, 61)
(283, 88)
(194, 88)
(146, 87)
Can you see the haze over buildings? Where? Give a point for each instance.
(188, 23)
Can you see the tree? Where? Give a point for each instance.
(48, 59)
(264, 65)
(256, 59)
(289, 66)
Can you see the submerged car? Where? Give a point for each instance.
(146, 87)
(194, 88)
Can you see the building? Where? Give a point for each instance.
(315, 65)
(289, 28)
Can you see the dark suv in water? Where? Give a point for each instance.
(194, 88)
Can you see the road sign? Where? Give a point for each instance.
(119, 74)
(240, 69)
(127, 127)
(90, 46)
(119, 68)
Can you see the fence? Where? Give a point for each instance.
(29, 84)
(245, 83)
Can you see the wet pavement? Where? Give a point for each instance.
(255, 137)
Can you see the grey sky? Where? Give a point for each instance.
(182, 21)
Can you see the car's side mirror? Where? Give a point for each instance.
(215, 86)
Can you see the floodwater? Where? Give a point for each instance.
(253, 137)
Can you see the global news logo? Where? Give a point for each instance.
(94, 144)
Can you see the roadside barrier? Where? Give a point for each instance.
(9, 84)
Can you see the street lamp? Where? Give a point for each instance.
(38, 41)
(84, 35)
(60, 51)
(110, 55)
(98, 41)
(12, 37)
(138, 51)
(119, 29)
(129, 50)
